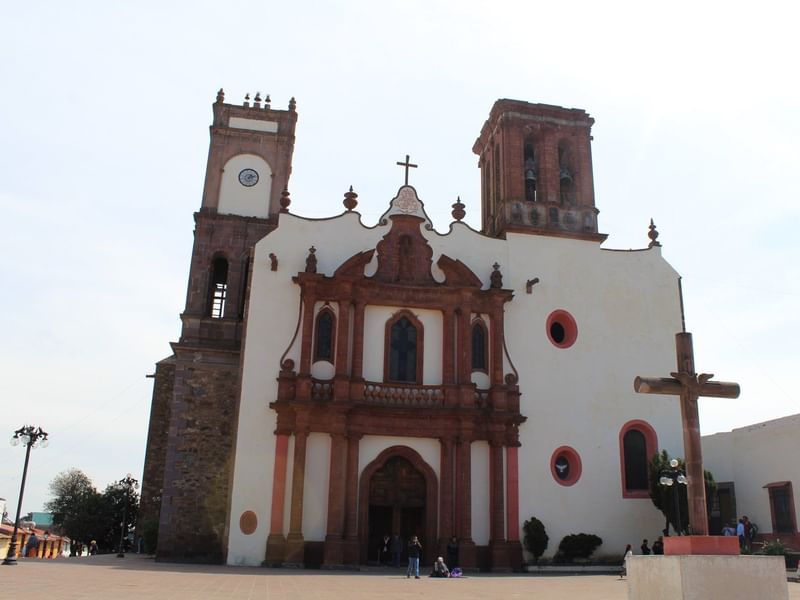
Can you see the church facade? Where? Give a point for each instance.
(335, 382)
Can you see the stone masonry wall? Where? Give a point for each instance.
(199, 462)
(156, 449)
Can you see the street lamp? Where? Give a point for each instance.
(672, 477)
(31, 437)
(128, 485)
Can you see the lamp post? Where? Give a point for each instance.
(128, 485)
(31, 437)
(673, 477)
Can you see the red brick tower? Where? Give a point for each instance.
(190, 446)
(536, 171)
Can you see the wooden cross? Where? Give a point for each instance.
(690, 386)
(407, 165)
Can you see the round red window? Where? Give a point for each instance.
(565, 466)
(562, 330)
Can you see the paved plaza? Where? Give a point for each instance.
(136, 577)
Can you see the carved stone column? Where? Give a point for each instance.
(447, 527)
(497, 541)
(466, 550)
(295, 544)
(512, 508)
(307, 333)
(332, 556)
(276, 542)
(351, 501)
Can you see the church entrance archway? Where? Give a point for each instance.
(398, 493)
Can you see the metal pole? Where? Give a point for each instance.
(12, 549)
(677, 503)
(121, 553)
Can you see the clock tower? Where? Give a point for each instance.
(189, 453)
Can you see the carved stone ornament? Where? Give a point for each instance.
(311, 260)
(273, 262)
(350, 201)
(458, 210)
(496, 278)
(653, 235)
(407, 202)
(285, 201)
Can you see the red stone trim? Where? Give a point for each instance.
(431, 494)
(651, 447)
(567, 321)
(575, 465)
(387, 340)
(248, 522)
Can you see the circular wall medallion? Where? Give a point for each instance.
(562, 330)
(248, 522)
(565, 466)
(248, 177)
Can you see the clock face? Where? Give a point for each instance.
(248, 177)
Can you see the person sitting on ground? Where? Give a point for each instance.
(440, 569)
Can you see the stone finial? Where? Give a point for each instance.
(257, 100)
(267, 102)
(285, 201)
(350, 201)
(496, 278)
(273, 262)
(458, 209)
(220, 96)
(246, 102)
(311, 260)
(292, 104)
(653, 235)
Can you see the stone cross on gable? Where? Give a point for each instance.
(690, 386)
(407, 165)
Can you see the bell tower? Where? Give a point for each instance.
(190, 445)
(536, 171)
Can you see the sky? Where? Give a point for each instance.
(105, 108)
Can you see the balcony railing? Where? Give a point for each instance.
(403, 395)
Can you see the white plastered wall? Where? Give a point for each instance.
(237, 199)
(627, 312)
(753, 457)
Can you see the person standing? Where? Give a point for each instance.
(414, 551)
(452, 552)
(740, 533)
(396, 546)
(624, 570)
(644, 548)
(658, 546)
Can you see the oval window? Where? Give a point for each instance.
(562, 331)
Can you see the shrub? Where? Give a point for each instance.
(773, 548)
(580, 545)
(535, 539)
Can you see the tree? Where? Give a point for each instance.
(75, 505)
(117, 501)
(664, 496)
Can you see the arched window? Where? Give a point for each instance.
(323, 335)
(403, 354)
(218, 288)
(529, 166)
(566, 174)
(638, 444)
(479, 339)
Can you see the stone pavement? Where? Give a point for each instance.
(136, 577)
